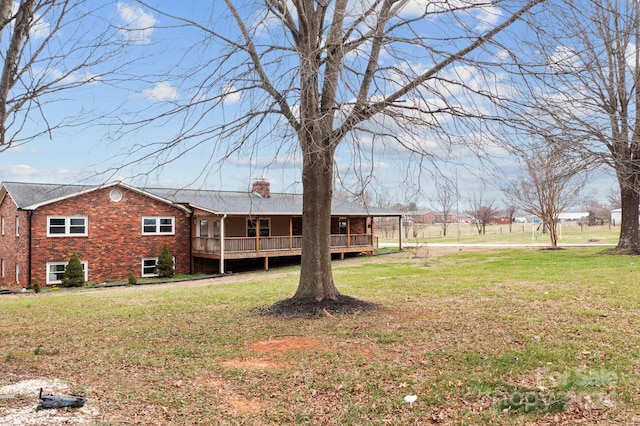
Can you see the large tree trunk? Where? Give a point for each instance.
(629, 237)
(316, 278)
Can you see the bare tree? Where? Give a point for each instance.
(551, 182)
(50, 47)
(482, 211)
(613, 198)
(445, 201)
(586, 87)
(324, 73)
(510, 211)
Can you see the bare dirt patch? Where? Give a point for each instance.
(272, 346)
(241, 406)
(254, 364)
(284, 344)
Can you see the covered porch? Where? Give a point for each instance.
(221, 238)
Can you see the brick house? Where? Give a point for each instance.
(117, 229)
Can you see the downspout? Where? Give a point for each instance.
(222, 237)
(30, 243)
(191, 233)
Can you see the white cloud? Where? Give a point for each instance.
(25, 173)
(138, 26)
(231, 95)
(20, 171)
(161, 91)
(488, 17)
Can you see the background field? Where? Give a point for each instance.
(496, 337)
(527, 233)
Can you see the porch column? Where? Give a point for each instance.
(373, 233)
(222, 244)
(400, 236)
(257, 234)
(291, 233)
(348, 232)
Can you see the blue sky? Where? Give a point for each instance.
(95, 152)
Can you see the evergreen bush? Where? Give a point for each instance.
(132, 279)
(164, 266)
(73, 273)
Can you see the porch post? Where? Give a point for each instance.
(348, 232)
(373, 238)
(222, 244)
(257, 233)
(400, 236)
(290, 233)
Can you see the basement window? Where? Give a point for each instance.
(55, 271)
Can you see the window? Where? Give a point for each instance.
(62, 226)
(17, 230)
(55, 271)
(149, 266)
(342, 225)
(2, 225)
(204, 228)
(216, 229)
(157, 225)
(2, 268)
(265, 227)
(17, 273)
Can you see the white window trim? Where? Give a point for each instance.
(67, 226)
(143, 275)
(2, 225)
(17, 273)
(158, 219)
(85, 267)
(17, 227)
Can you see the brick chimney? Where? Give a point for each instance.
(262, 188)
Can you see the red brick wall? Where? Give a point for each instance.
(14, 250)
(115, 245)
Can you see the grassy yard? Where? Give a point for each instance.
(499, 337)
(520, 233)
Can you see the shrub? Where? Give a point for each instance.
(36, 287)
(73, 273)
(132, 279)
(164, 267)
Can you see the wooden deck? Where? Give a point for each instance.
(251, 247)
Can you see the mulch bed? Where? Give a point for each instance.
(311, 308)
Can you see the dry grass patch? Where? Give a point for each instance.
(463, 334)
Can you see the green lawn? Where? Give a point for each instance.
(527, 233)
(495, 337)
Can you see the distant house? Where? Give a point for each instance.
(616, 217)
(572, 216)
(117, 229)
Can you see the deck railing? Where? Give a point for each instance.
(283, 243)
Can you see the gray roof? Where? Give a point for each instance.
(32, 195)
(237, 202)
